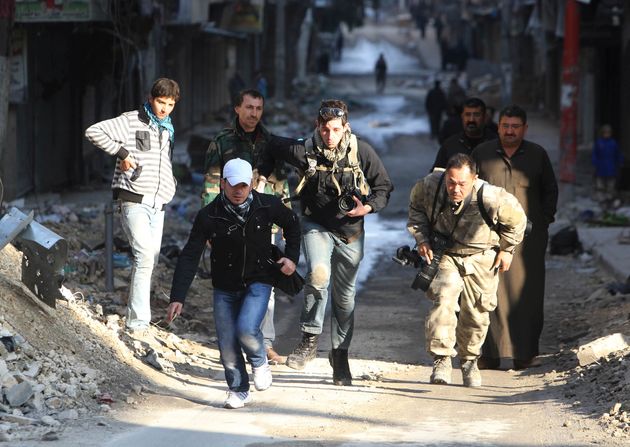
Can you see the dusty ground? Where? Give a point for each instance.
(135, 403)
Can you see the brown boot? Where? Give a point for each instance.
(304, 352)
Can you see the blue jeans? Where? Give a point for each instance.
(143, 226)
(332, 264)
(237, 318)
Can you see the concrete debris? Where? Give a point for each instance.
(593, 351)
(19, 394)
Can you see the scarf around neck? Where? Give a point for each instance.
(334, 154)
(238, 211)
(164, 124)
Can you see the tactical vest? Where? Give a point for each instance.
(358, 178)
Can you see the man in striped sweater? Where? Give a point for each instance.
(143, 184)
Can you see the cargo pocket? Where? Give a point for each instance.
(143, 140)
(487, 302)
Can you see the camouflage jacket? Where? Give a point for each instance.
(232, 142)
(470, 233)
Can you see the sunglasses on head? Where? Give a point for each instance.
(326, 112)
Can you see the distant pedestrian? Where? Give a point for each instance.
(142, 142)
(523, 168)
(380, 72)
(452, 124)
(490, 122)
(455, 95)
(435, 104)
(235, 85)
(607, 160)
(261, 84)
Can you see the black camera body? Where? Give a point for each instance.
(406, 256)
(346, 201)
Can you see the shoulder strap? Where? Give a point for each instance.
(435, 199)
(353, 161)
(482, 208)
(311, 159)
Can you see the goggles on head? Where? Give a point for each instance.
(335, 112)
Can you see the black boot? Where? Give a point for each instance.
(304, 352)
(338, 359)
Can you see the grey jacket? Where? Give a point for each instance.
(132, 133)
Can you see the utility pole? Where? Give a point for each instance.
(280, 50)
(569, 92)
(7, 14)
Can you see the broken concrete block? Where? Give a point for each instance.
(601, 347)
(19, 394)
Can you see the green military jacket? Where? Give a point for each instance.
(232, 142)
(470, 233)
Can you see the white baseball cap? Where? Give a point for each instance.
(237, 171)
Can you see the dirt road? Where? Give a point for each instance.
(391, 402)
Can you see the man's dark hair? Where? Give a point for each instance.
(513, 111)
(248, 92)
(459, 161)
(165, 88)
(323, 117)
(475, 103)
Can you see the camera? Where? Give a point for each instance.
(406, 256)
(346, 201)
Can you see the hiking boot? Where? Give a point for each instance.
(273, 357)
(338, 359)
(237, 399)
(442, 370)
(262, 377)
(304, 352)
(471, 376)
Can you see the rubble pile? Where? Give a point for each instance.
(42, 391)
(605, 385)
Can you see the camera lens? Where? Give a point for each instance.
(346, 203)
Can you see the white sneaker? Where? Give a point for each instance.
(262, 377)
(237, 399)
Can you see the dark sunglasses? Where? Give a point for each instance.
(326, 112)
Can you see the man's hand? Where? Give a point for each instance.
(173, 311)
(360, 209)
(262, 181)
(424, 250)
(127, 163)
(288, 266)
(503, 261)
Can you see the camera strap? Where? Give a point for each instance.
(359, 181)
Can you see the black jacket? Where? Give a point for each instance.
(320, 197)
(239, 251)
(460, 144)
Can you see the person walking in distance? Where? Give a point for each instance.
(380, 73)
(470, 252)
(143, 184)
(237, 225)
(344, 180)
(435, 104)
(523, 168)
